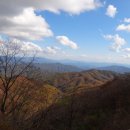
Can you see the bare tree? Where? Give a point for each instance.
(14, 85)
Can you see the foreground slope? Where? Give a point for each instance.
(88, 100)
(106, 108)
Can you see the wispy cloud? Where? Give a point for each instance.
(117, 42)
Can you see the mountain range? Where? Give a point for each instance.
(76, 66)
(118, 69)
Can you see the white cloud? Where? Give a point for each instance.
(126, 50)
(123, 27)
(51, 50)
(127, 56)
(127, 20)
(31, 47)
(117, 42)
(17, 17)
(111, 11)
(67, 42)
(69, 6)
(21, 46)
(27, 26)
(28, 48)
(127, 53)
(84, 56)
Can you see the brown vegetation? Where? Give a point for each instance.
(107, 108)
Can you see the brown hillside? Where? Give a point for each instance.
(82, 80)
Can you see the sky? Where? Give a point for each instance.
(85, 30)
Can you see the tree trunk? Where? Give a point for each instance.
(3, 109)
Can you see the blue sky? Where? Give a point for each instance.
(72, 30)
